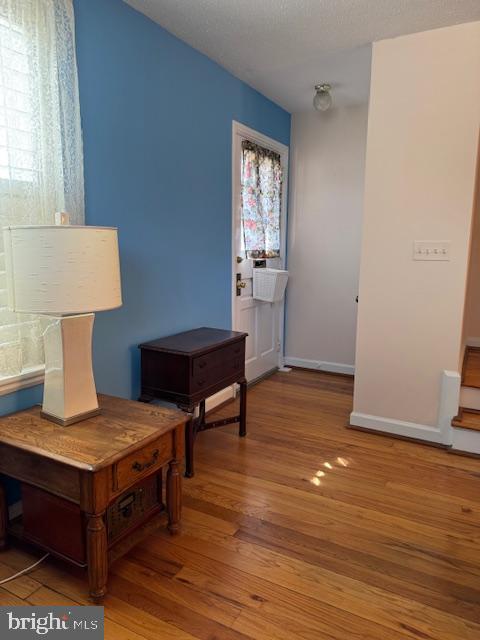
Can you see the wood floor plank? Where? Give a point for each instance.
(22, 586)
(305, 529)
(328, 514)
(268, 604)
(8, 599)
(358, 598)
(113, 631)
(178, 594)
(132, 620)
(415, 557)
(457, 516)
(146, 599)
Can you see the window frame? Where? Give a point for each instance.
(30, 377)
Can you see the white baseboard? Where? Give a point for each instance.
(320, 365)
(222, 396)
(396, 427)
(441, 433)
(213, 401)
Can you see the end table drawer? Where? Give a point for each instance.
(154, 455)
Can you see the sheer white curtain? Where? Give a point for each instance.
(41, 158)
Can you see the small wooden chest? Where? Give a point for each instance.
(188, 367)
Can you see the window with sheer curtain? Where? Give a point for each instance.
(261, 201)
(41, 159)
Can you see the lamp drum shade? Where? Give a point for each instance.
(63, 269)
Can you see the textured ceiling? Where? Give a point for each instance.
(284, 47)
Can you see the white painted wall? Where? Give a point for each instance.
(420, 181)
(325, 219)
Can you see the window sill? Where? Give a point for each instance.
(28, 378)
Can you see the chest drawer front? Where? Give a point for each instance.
(234, 359)
(142, 462)
(213, 366)
(206, 364)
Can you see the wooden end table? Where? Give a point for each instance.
(189, 367)
(82, 483)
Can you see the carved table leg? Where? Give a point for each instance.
(242, 431)
(3, 517)
(97, 556)
(174, 497)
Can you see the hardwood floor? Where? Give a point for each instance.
(304, 529)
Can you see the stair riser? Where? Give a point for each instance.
(466, 441)
(470, 398)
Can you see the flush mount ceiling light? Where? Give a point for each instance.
(322, 100)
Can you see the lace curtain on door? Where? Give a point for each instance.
(261, 201)
(41, 158)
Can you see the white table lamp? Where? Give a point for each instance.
(68, 273)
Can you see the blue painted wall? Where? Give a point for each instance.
(157, 119)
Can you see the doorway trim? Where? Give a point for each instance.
(242, 132)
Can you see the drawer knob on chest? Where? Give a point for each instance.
(141, 466)
(202, 365)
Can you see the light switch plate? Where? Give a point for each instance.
(431, 250)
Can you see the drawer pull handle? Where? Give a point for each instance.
(141, 466)
(202, 365)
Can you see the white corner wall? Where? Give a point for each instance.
(325, 218)
(420, 178)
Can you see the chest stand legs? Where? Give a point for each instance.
(97, 557)
(174, 497)
(194, 425)
(189, 442)
(191, 428)
(242, 430)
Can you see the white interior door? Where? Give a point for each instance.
(263, 321)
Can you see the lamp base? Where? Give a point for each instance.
(66, 422)
(69, 393)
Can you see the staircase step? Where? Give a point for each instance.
(467, 419)
(470, 398)
(471, 367)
